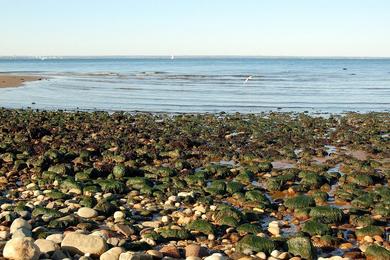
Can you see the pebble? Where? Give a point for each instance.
(170, 251)
(20, 249)
(135, 256)
(273, 228)
(87, 212)
(195, 250)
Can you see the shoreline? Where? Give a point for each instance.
(13, 81)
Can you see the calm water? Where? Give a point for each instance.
(202, 84)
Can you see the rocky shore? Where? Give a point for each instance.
(215, 187)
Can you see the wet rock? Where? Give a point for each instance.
(82, 244)
(21, 249)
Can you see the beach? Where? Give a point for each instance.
(212, 186)
(11, 81)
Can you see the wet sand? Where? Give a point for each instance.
(10, 81)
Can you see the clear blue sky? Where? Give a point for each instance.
(195, 27)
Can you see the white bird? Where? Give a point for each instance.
(247, 79)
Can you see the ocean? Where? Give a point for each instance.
(204, 85)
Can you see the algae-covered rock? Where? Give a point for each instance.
(375, 252)
(327, 214)
(202, 226)
(301, 246)
(248, 228)
(253, 244)
(299, 202)
(369, 231)
(313, 228)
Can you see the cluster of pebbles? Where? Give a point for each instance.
(143, 186)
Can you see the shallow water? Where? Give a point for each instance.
(202, 84)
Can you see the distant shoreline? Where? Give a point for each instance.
(12, 81)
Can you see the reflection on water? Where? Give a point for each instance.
(202, 85)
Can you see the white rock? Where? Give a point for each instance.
(81, 244)
(118, 215)
(216, 256)
(21, 249)
(273, 228)
(56, 238)
(87, 212)
(275, 253)
(112, 254)
(46, 246)
(19, 223)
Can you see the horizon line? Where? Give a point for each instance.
(190, 56)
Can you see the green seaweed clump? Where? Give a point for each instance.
(301, 246)
(299, 202)
(327, 214)
(253, 244)
(202, 226)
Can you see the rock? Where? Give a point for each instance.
(56, 238)
(283, 255)
(46, 246)
(155, 253)
(59, 255)
(273, 228)
(275, 253)
(124, 229)
(301, 246)
(170, 251)
(151, 224)
(4, 234)
(251, 243)
(87, 212)
(135, 256)
(261, 255)
(195, 250)
(216, 256)
(21, 249)
(375, 252)
(82, 244)
(22, 232)
(112, 254)
(193, 258)
(19, 223)
(119, 215)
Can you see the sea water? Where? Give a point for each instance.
(201, 84)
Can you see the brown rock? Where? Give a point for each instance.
(170, 251)
(195, 250)
(124, 229)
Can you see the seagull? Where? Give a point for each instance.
(247, 79)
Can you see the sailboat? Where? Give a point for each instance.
(172, 57)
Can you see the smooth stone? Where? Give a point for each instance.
(4, 234)
(21, 249)
(216, 256)
(261, 255)
(19, 223)
(87, 212)
(56, 238)
(151, 224)
(193, 258)
(81, 244)
(124, 229)
(135, 256)
(46, 246)
(118, 215)
(112, 254)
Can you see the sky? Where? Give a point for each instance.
(195, 27)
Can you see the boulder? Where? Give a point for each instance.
(21, 249)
